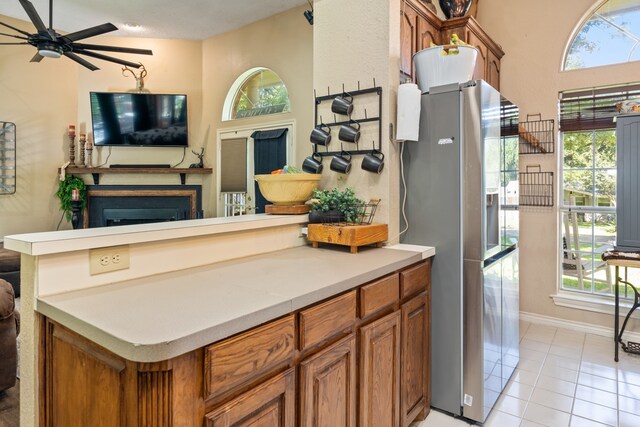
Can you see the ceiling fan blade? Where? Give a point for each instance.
(15, 29)
(81, 61)
(13, 43)
(90, 32)
(37, 58)
(112, 48)
(15, 37)
(33, 15)
(107, 58)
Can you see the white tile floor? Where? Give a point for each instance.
(564, 379)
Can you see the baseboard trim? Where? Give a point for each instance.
(573, 325)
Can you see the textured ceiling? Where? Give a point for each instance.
(171, 19)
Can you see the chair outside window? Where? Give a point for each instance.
(582, 264)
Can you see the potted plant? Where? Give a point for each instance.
(64, 194)
(335, 206)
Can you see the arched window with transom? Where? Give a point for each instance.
(256, 92)
(610, 35)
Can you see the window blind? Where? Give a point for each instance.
(595, 108)
(509, 116)
(233, 165)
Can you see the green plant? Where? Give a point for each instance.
(345, 202)
(65, 186)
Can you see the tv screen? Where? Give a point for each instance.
(139, 119)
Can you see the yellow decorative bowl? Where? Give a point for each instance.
(288, 188)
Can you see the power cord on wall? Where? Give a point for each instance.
(404, 195)
(106, 160)
(184, 152)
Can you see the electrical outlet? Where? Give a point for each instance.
(104, 260)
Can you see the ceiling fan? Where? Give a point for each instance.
(51, 44)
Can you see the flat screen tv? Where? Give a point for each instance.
(139, 119)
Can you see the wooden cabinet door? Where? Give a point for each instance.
(84, 384)
(427, 33)
(271, 404)
(328, 386)
(380, 372)
(408, 37)
(415, 399)
(493, 70)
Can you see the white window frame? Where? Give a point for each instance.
(245, 132)
(227, 107)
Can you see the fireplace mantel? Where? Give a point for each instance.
(96, 172)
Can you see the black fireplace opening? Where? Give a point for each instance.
(115, 205)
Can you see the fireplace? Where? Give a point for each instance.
(113, 205)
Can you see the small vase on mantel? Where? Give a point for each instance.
(455, 8)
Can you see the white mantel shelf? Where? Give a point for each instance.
(74, 240)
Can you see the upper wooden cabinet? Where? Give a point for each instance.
(420, 27)
(490, 52)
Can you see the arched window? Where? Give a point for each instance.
(611, 35)
(256, 92)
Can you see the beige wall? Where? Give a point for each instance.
(282, 43)
(41, 100)
(533, 36)
(358, 41)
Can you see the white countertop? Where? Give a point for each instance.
(73, 240)
(159, 317)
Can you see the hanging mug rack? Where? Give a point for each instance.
(350, 119)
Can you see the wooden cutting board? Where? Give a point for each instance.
(353, 236)
(287, 209)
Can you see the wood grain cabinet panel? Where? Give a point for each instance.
(489, 52)
(328, 386)
(236, 361)
(380, 372)
(327, 320)
(414, 279)
(415, 399)
(379, 295)
(408, 38)
(84, 384)
(271, 404)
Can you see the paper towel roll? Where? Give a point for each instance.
(408, 123)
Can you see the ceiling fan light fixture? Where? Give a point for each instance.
(133, 27)
(49, 50)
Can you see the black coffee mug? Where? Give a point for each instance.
(342, 104)
(350, 132)
(373, 162)
(312, 164)
(341, 163)
(321, 135)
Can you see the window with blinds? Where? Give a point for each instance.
(595, 108)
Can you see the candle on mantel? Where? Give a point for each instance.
(72, 130)
(88, 145)
(75, 195)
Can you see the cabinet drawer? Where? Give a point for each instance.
(379, 294)
(235, 361)
(414, 279)
(327, 319)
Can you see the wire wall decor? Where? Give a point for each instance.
(536, 187)
(536, 136)
(7, 158)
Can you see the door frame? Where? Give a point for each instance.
(245, 132)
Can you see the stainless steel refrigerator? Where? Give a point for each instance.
(454, 203)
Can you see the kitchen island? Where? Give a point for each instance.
(282, 337)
